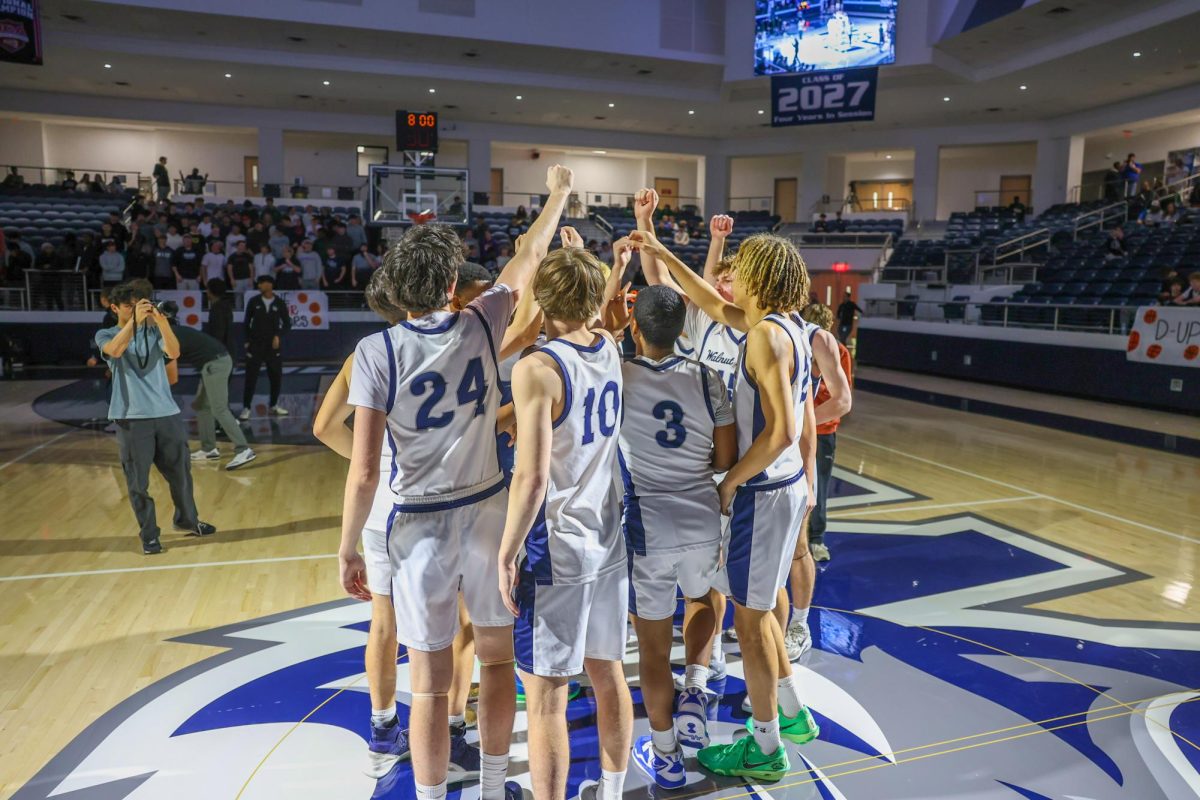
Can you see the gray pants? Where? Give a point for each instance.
(212, 405)
(161, 441)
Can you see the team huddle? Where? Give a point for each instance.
(520, 492)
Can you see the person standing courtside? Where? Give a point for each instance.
(267, 319)
(149, 426)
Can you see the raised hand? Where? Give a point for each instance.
(720, 226)
(570, 237)
(646, 242)
(559, 179)
(622, 252)
(644, 203)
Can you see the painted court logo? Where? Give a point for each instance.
(932, 676)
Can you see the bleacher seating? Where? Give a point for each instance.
(49, 215)
(745, 223)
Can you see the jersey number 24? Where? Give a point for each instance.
(471, 389)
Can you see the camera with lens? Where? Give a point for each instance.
(168, 308)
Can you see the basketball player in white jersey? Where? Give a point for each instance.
(713, 344)
(677, 431)
(570, 590)
(768, 491)
(430, 386)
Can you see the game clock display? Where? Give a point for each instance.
(417, 130)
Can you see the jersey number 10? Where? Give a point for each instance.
(607, 407)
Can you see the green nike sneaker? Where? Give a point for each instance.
(744, 759)
(800, 729)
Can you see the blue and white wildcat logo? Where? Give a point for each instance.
(932, 677)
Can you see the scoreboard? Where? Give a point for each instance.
(417, 130)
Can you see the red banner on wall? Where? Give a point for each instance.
(20, 31)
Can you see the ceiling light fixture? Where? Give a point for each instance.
(1137, 53)
(519, 97)
(945, 99)
(612, 105)
(600, 152)
(691, 111)
(1023, 87)
(324, 83)
(761, 111)
(108, 66)
(362, 149)
(228, 74)
(888, 157)
(433, 91)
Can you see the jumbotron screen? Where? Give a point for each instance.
(812, 35)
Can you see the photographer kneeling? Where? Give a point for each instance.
(150, 428)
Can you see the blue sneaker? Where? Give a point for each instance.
(388, 745)
(691, 718)
(513, 791)
(665, 770)
(464, 761)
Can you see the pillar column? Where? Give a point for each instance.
(715, 188)
(479, 164)
(270, 158)
(925, 181)
(813, 173)
(1059, 167)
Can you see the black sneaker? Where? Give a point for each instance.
(203, 529)
(152, 547)
(458, 729)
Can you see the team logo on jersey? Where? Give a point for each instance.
(940, 667)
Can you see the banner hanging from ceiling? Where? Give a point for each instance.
(817, 98)
(20, 32)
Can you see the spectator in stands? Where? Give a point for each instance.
(15, 243)
(14, 179)
(213, 264)
(341, 242)
(264, 261)
(45, 285)
(1114, 183)
(112, 265)
(852, 198)
(174, 239)
(84, 185)
(67, 255)
(277, 240)
(838, 225)
(356, 232)
(239, 268)
(206, 226)
(114, 185)
(504, 257)
(1017, 209)
(1130, 171)
(821, 225)
(235, 235)
(362, 266)
(256, 236)
(846, 316)
(20, 258)
(288, 271)
(310, 266)
(1115, 246)
(96, 185)
(521, 217)
(162, 179)
(186, 265)
(164, 264)
(1172, 289)
(266, 321)
(682, 237)
(1146, 197)
(45, 257)
(1191, 295)
(456, 207)
(139, 255)
(69, 183)
(194, 183)
(333, 269)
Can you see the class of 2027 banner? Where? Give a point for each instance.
(20, 32)
(817, 98)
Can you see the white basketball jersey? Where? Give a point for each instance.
(748, 406)
(436, 378)
(810, 330)
(578, 536)
(714, 345)
(671, 409)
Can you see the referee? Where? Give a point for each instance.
(149, 426)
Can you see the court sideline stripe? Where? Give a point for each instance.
(1017, 488)
(896, 507)
(159, 568)
(34, 449)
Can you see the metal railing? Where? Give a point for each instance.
(935, 273)
(1019, 245)
(752, 204)
(1042, 316)
(54, 176)
(601, 223)
(1011, 272)
(217, 187)
(1096, 218)
(1183, 186)
(864, 239)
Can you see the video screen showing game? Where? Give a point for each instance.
(812, 35)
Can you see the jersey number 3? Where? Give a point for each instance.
(670, 412)
(472, 389)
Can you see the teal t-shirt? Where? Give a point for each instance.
(140, 389)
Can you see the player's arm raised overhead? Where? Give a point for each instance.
(692, 285)
(536, 242)
(829, 361)
(536, 387)
(655, 272)
(329, 426)
(614, 310)
(523, 328)
(719, 228)
(768, 360)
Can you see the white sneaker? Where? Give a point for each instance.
(245, 415)
(279, 411)
(205, 455)
(241, 458)
(797, 641)
(749, 709)
(820, 552)
(588, 790)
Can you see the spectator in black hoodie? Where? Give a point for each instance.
(220, 314)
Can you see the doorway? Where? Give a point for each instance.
(883, 195)
(496, 193)
(250, 176)
(1018, 186)
(785, 199)
(668, 192)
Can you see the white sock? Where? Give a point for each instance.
(789, 698)
(695, 676)
(718, 652)
(766, 735)
(458, 719)
(612, 785)
(800, 617)
(493, 772)
(431, 792)
(664, 741)
(380, 718)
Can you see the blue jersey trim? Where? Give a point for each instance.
(568, 397)
(586, 348)
(631, 523)
(526, 594)
(704, 389)
(741, 546)
(537, 551)
(704, 339)
(442, 328)
(666, 363)
(487, 331)
(732, 335)
(779, 484)
(391, 354)
(471, 499)
(778, 320)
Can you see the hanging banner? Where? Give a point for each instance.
(187, 300)
(817, 98)
(309, 309)
(20, 31)
(1166, 335)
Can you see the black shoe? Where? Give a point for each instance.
(458, 729)
(201, 529)
(152, 547)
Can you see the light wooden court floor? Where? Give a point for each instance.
(86, 617)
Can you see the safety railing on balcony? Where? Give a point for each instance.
(54, 177)
(1018, 245)
(1104, 319)
(1099, 217)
